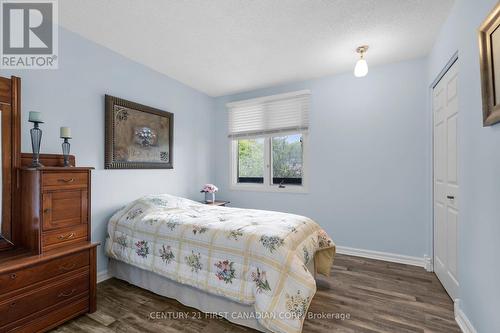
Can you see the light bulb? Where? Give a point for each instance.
(361, 68)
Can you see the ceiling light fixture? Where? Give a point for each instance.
(361, 68)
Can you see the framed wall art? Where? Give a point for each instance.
(137, 136)
(489, 51)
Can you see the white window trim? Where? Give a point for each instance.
(267, 186)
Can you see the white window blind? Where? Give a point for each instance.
(268, 115)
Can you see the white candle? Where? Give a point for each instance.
(35, 116)
(65, 132)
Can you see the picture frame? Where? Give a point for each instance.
(489, 53)
(137, 136)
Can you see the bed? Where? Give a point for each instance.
(255, 268)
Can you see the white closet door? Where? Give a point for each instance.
(446, 200)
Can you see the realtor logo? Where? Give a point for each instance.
(29, 38)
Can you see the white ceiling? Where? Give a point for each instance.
(226, 46)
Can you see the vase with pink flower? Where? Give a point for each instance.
(209, 190)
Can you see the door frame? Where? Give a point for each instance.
(444, 70)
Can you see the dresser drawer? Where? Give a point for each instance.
(63, 237)
(64, 179)
(28, 276)
(40, 322)
(33, 301)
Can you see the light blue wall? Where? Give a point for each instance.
(73, 96)
(369, 159)
(479, 165)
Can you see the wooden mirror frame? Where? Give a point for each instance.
(10, 105)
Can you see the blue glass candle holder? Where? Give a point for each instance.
(66, 149)
(36, 139)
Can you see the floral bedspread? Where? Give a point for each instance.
(249, 256)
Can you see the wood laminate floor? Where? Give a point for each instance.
(376, 296)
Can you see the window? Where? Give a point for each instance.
(287, 159)
(268, 142)
(251, 161)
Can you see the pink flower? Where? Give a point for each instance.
(209, 188)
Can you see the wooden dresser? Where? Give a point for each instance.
(47, 261)
(40, 292)
(51, 278)
(58, 199)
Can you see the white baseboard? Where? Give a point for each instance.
(429, 266)
(462, 320)
(385, 256)
(103, 276)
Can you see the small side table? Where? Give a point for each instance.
(216, 203)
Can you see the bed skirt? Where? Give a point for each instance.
(234, 312)
(186, 295)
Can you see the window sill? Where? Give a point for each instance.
(272, 188)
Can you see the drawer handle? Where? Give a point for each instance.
(66, 180)
(63, 294)
(13, 276)
(67, 267)
(13, 304)
(47, 210)
(68, 236)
